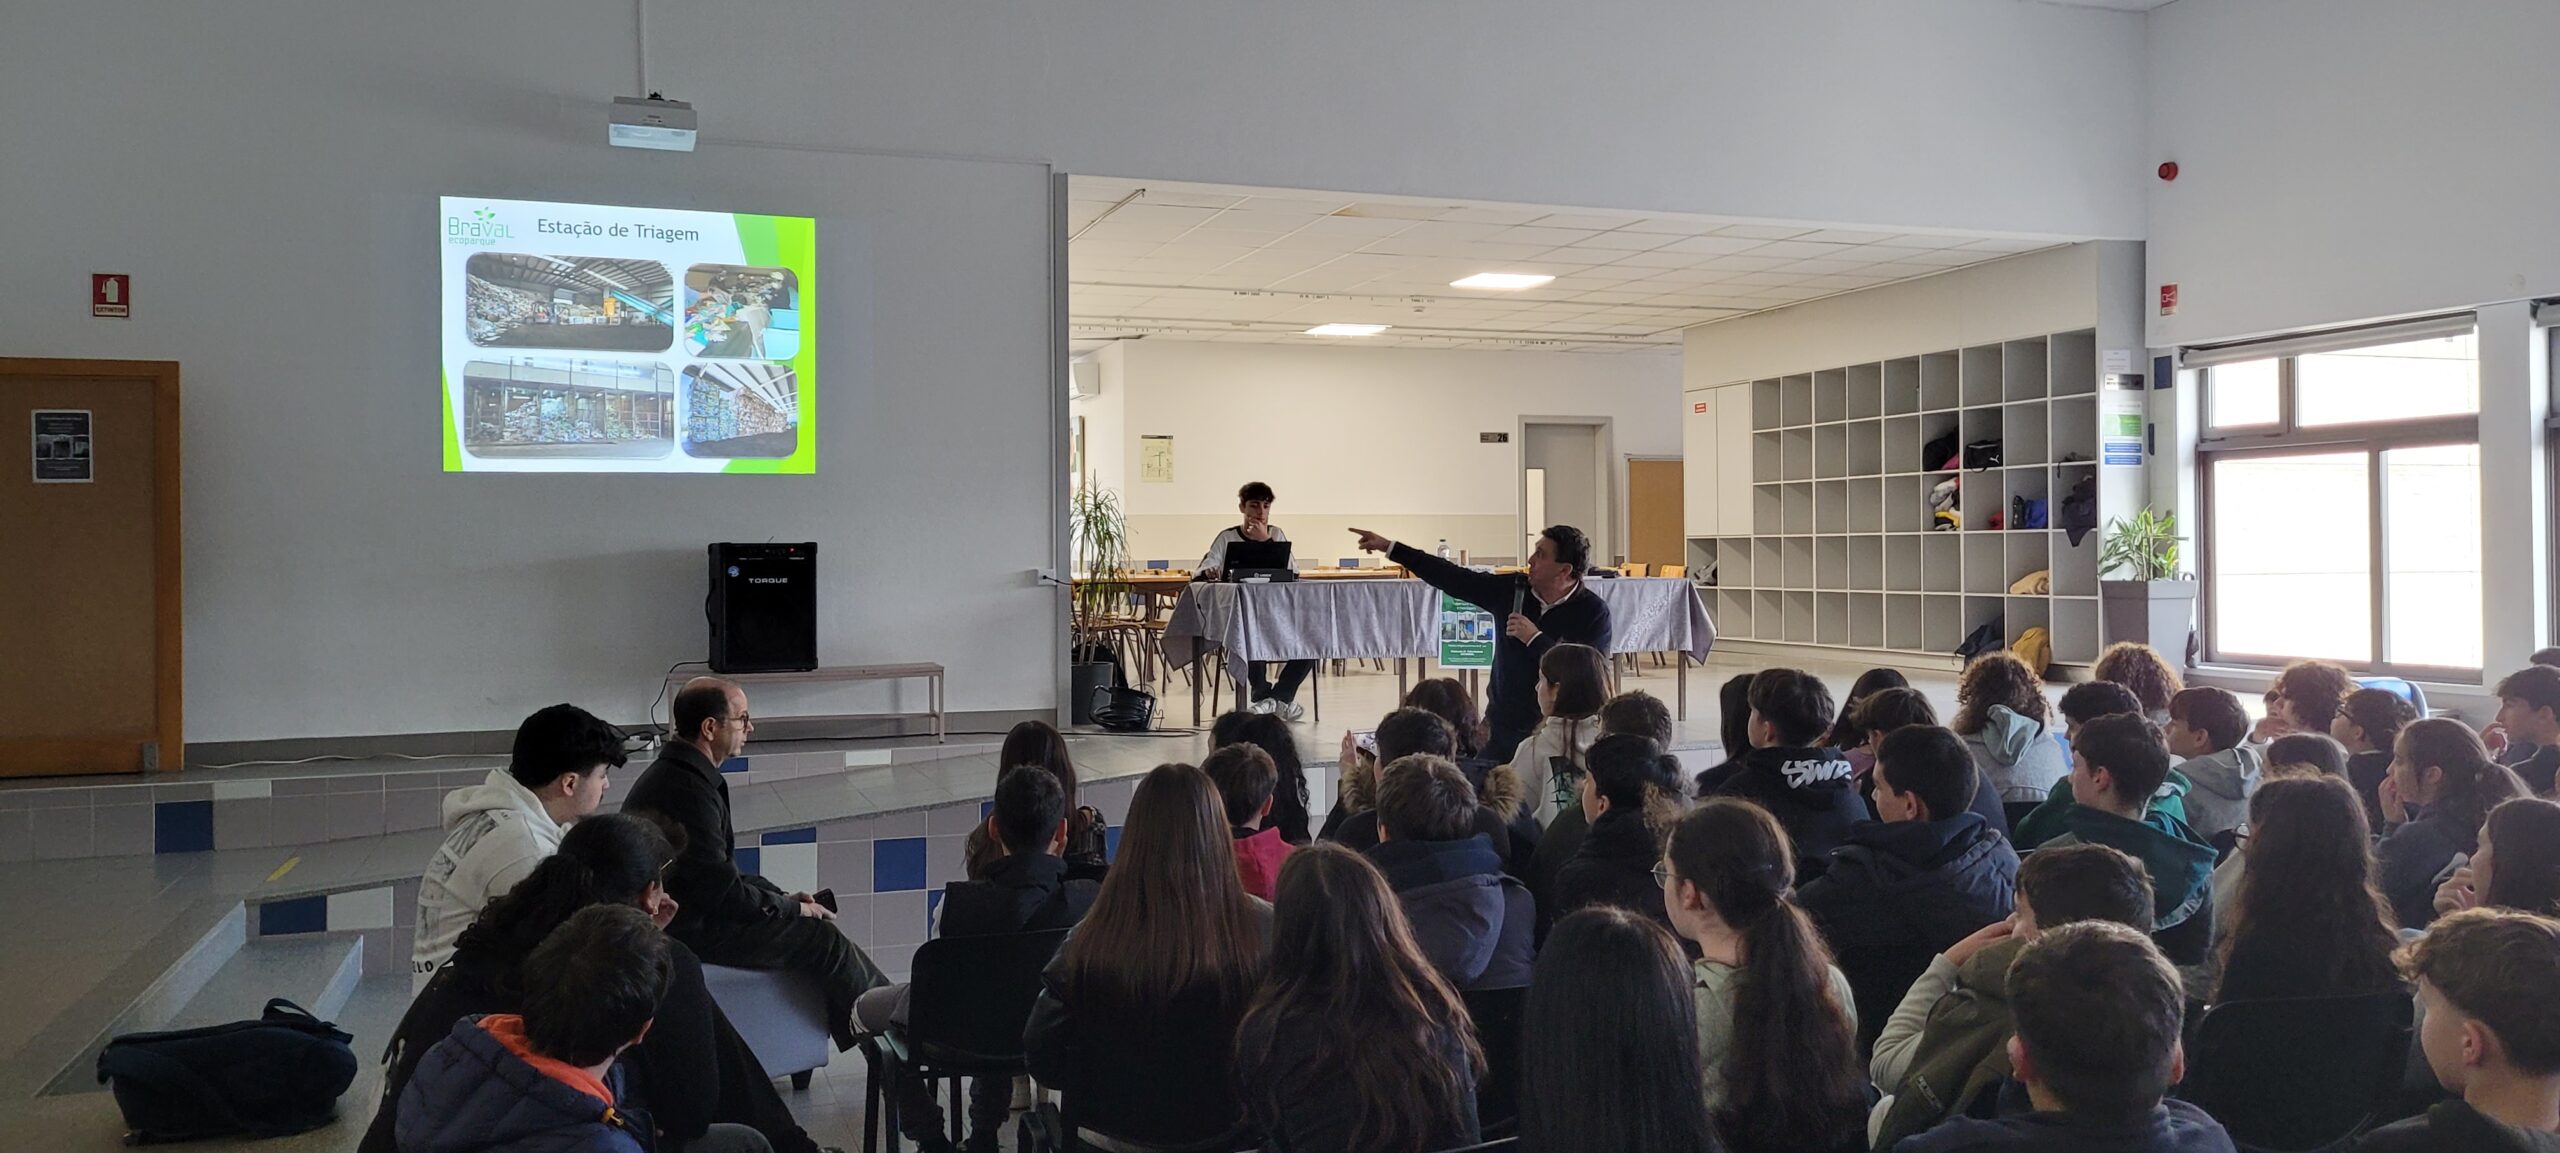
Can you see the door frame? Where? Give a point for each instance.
(167, 568)
(1609, 482)
(1626, 516)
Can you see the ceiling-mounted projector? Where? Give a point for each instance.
(652, 122)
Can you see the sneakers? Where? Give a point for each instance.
(1263, 705)
(1289, 710)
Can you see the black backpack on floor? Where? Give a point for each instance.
(282, 1073)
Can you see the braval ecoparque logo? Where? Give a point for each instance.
(480, 229)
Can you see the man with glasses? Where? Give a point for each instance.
(727, 917)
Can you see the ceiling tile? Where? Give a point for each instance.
(1846, 236)
(1712, 245)
(1761, 231)
(1482, 215)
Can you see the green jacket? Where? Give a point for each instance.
(1964, 1049)
(2045, 822)
(2180, 863)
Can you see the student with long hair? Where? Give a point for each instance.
(1573, 682)
(2441, 788)
(1162, 965)
(2307, 921)
(2304, 699)
(1038, 744)
(1777, 1023)
(1633, 713)
(2140, 669)
(1448, 697)
(2002, 715)
(1613, 1064)
(1632, 793)
(1733, 719)
(692, 1070)
(2524, 874)
(1354, 1042)
(1269, 733)
(1848, 730)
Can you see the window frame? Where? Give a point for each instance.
(2287, 437)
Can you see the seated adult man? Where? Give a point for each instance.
(1404, 733)
(2116, 764)
(496, 831)
(727, 917)
(1909, 886)
(1477, 925)
(1025, 890)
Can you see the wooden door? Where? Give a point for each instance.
(92, 676)
(1654, 519)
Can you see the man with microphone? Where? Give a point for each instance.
(1547, 606)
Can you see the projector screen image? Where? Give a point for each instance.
(591, 338)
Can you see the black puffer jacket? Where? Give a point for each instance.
(1899, 894)
(1475, 924)
(1614, 866)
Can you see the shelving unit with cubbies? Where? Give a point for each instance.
(1842, 551)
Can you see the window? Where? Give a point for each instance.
(2341, 494)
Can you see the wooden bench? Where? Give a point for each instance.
(925, 671)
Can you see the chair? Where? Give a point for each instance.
(966, 1008)
(1501, 1018)
(2398, 687)
(2298, 1073)
(1163, 1081)
(1674, 571)
(782, 1016)
(2017, 811)
(1631, 569)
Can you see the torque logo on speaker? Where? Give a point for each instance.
(482, 229)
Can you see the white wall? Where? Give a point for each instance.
(2346, 160)
(268, 174)
(1383, 438)
(1989, 114)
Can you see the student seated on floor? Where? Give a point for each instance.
(1026, 889)
(1245, 775)
(1475, 924)
(2485, 980)
(1808, 787)
(1944, 1052)
(2098, 1014)
(692, 1070)
(547, 1080)
(1916, 882)
(2208, 727)
(496, 831)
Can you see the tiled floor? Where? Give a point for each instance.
(87, 937)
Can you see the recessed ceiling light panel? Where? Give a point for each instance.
(1503, 281)
(1347, 330)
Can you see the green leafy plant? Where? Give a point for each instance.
(2144, 548)
(1101, 532)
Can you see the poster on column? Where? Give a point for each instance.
(2120, 419)
(1466, 635)
(593, 338)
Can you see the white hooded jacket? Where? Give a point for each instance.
(495, 832)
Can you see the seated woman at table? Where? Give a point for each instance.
(1254, 501)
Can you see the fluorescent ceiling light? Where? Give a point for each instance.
(1503, 281)
(1347, 330)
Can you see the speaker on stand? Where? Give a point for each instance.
(763, 607)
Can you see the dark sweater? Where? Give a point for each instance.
(2173, 1127)
(2456, 1127)
(1022, 893)
(1303, 1106)
(1614, 866)
(683, 786)
(1809, 790)
(2407, 861)
(1581, 618)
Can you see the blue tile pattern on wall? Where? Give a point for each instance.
(182, 827)
(734, 765)
(807, 836)
(750, 860)
(897, 864)
(299, 915)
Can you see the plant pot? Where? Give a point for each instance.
(1085, 677)
(2161, 614)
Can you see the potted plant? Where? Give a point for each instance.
(2150, 601)
(1101, 533)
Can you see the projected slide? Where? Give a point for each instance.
(591, 338)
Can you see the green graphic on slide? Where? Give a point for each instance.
(452, 439)
(790, 242)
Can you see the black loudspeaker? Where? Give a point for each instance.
(763, 607)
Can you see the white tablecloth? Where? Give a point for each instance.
(1330, 619)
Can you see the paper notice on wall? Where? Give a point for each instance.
(2120, 419)
(1466, 635)
(62, 449)
(2116, 360)
(1155, 459)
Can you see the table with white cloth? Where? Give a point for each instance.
(1397, 619)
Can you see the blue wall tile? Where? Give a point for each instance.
(182, 827)
(299, 915)
(984, 808)
(750, 861)
(897, 864)
(807, 836)
(734, 765)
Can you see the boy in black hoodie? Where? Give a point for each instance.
(1809, 788)
(1025, 890)
(2485, 978)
